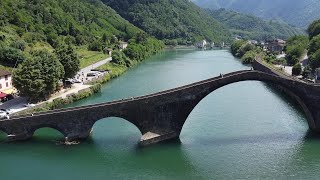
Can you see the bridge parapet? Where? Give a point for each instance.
(159, 116)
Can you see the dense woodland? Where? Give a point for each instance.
(251, 27)
(41, 36)
(178, 21)
(299, 13)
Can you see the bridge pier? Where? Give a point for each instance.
(160, 116)
(153, 138)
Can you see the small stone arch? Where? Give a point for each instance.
(124, 122)
(3, 135)
(120, 118)
(54, 128)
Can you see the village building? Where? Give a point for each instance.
(276, 45)
(6, 82)
(108, 51)
(202, 44)
(253, 42)
(212, 45)
(123, 45)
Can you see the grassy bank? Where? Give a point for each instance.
(89, 57)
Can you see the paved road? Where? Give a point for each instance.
(18, 103)
(93, 66)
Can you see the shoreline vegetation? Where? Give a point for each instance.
(115, 70)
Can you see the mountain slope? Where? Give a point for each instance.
(50, 22)
(251, 27)
(296, 12)
(171, 19)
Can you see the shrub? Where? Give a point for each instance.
(297, 69)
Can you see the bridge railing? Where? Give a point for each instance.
(275, 70)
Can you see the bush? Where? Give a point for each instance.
(11, 56)
(21, 45)
(249, 57)
(297, 69)
(96, 46)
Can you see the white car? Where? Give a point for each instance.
(4, 115)
(29, 105)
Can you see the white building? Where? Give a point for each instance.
(123, 45)
(202, 44)
(5, 82)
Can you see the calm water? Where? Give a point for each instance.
(245, 131)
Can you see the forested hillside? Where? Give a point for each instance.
(28, 25)
(296, 12)
(78, 21)
(41, 41)
(251, 27)
(178, 20)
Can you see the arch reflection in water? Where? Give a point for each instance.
(231, 129)
(104, 133)
(48, 134)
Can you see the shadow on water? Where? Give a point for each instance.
(286, 98)
(160, 161)
(311, 135)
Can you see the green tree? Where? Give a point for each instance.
(96, 46)
(306, 72)
(244, 49)
(248, 57)
(11, 56)
(70, 61)
(38, 77)
(314, 45)
(296, 69)
(314, 29)
(294, 53)
(315, 60)
(236, 45)
(296, 47)
(118, 57)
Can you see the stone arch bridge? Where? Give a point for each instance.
(160, 116)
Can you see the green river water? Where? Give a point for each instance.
(246, 130)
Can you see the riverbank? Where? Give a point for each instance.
(93, 86)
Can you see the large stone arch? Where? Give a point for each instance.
(285, 85)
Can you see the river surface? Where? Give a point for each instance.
(246, 130)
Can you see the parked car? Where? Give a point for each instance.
(5, 110)
(4, 115)
(29, 105)
(92, 74)
(77, 81)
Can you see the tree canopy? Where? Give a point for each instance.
(314, 46)
(296, 47)
(38, 77)
(70, 61)
(251, 27)
(167, 19)
(314, 29)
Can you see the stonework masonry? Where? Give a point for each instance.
(160, 116)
